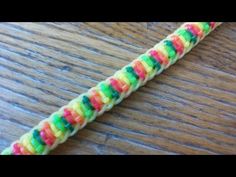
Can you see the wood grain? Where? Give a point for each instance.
(188, 109)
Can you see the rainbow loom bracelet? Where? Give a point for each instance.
(86, 107)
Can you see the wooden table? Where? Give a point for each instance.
(188, 109)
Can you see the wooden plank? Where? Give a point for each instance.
(188, 109)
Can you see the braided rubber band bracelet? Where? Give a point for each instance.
(86, 107)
